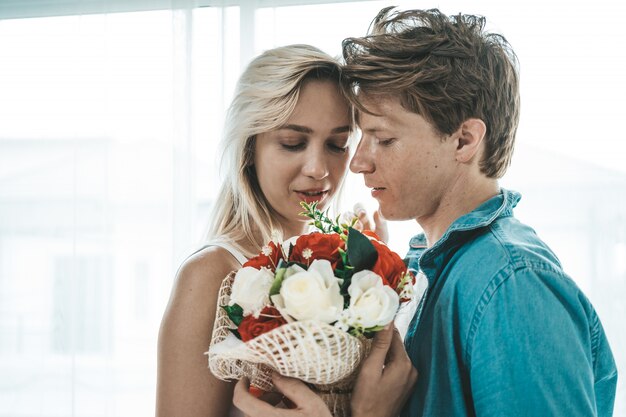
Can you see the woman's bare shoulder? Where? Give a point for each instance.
(199, 277)
(185, 386)
(209, 262)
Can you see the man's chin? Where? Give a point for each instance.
(386, 212)
(392, 214)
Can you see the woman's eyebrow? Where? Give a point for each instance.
(298, 128)
(308, 130)
(341, 129)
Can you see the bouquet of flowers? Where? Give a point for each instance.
(308, 308)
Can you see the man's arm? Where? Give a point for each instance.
(384, 383)
(531, 353)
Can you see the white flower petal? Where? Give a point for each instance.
(312, 294)
(371, 302)
(251, 288)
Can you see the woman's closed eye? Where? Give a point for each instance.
(293, 147)
(337, 148)
(337, 144)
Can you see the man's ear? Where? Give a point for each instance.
(471, 135)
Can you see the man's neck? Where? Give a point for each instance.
(462, 198)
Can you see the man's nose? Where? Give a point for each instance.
(362, 161)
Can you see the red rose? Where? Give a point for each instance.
(256, 391)
(371, 235)
(266, 261)
(389, 265)
(321, 246)
(251, 327)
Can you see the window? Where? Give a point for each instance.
(111, 112)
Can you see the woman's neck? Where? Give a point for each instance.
(295, 228)
(288, 229)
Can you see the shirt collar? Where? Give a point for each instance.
(500, 205)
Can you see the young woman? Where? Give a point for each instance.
(286, 140)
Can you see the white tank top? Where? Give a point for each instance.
(226, 246)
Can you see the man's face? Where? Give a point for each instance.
(408, 164)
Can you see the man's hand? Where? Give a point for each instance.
(386, 378)
(378, 225)
(308, 404)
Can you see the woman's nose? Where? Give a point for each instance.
(315, 165)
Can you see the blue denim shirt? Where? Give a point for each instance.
(503, 331)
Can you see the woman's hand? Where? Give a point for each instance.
(308, 403)
(378, 225)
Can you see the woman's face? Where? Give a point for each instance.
(305, 160)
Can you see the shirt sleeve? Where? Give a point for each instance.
(530, 351)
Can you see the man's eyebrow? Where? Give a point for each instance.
(308, 130)
(373, 129)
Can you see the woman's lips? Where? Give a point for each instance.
(310, 196)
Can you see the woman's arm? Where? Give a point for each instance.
(185, 386)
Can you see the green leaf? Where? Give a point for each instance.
(236, 333)
(344, 256)
(278, 278)
(368, 333)
(361, 253)
(374, 329)
(235, 313)
(340, 273)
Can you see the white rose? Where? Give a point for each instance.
(371, 302)
(312, 294)
(251, 289)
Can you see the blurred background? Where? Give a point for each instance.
(110, 114)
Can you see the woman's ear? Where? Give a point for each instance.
(471, 135)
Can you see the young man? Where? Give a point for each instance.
(502, 330)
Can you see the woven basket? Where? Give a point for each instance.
(314, 352)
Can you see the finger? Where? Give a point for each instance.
(272, 398)
(358, 207)
(361, 214)
(381, 228)
(396, 350)
(249, 404)
(380, 348)
(364, 221)
(294, 389)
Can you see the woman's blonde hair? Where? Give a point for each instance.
(265, 97)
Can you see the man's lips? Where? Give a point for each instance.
(377, 191)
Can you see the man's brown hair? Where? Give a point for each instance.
(446, 69)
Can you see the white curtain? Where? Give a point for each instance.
(107, 143)
(110, 114)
